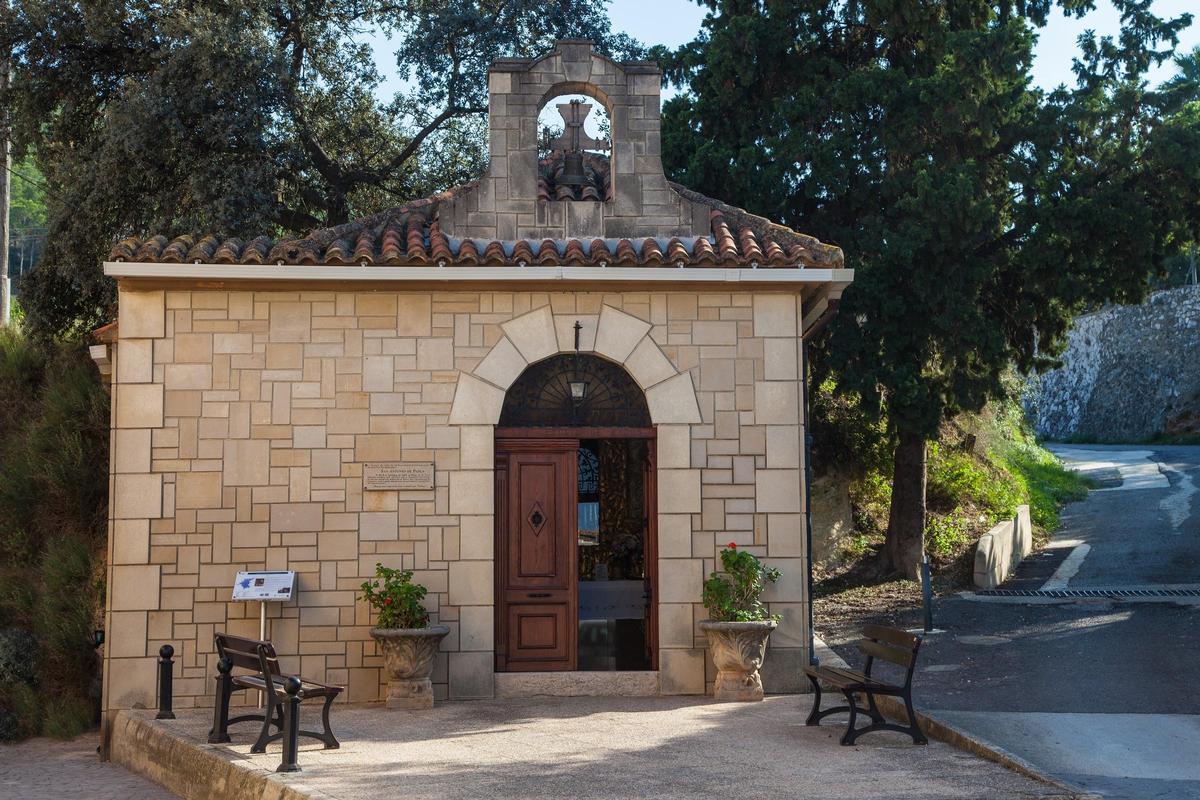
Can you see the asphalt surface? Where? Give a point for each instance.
(1099, 693)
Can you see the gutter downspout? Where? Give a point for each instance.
(816, 328)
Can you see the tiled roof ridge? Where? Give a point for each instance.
(765, 229)
(411, 234)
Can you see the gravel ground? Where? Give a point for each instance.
(620, 747)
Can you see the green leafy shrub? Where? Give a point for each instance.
(54, 418)
(10, 726)
(18, 656)
(21, 707)
(736, 595)
(62, 623)
(946, 534)
(67, 715)
(958, 477)
(396, 598)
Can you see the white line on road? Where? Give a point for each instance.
(1138, 470)
(1178, 504)
(1067, 569)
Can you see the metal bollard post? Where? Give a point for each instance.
(927, 593)
(291, 725)
(220, 729)
(165, 682)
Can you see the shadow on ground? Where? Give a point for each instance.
(616, 747)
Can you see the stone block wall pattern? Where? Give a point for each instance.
(243, 417)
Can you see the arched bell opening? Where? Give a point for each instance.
(574, 146)
(575, 520)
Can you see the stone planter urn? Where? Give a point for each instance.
(408, 657)
(738, 650)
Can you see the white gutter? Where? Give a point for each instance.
(461, 274)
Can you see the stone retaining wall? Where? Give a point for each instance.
(1129, 373)
(1000, 550)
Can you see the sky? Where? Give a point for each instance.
(674, 22)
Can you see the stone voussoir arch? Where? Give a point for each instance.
(612, 334)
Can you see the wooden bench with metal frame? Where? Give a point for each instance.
(887, 644)
(260, 659)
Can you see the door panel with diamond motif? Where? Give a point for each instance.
(535, 538)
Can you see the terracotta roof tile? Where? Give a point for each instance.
(626, 255)
(412, 235)
(522, 253)
(227, 253)
(364, 248)
(599, 253)
(547, 254)
(256, 250)
(468, 253)
(338, 253)
(493, 254)
(652, 254)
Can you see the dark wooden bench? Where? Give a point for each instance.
(264, 676)
(887, 644)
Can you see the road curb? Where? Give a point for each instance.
(937, 729)
(960, 740)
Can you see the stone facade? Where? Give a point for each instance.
(242, 418)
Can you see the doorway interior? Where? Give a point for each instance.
(576, 550)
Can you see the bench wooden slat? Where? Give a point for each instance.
(243, 652)
(262, 663)
(307, 688)
(842, 678)
(879, 643)
(893, 636)
(894, 655)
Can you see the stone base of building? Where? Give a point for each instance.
(577, 684)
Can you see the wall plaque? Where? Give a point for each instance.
(397, 475)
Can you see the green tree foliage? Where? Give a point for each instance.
(240, 117)
(27, 200)
(980, 211)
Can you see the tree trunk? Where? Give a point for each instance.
(905, 544)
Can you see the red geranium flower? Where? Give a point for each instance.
(387, 601)
(733, 545)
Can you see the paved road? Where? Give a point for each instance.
(1141, 529)
(1099, 693)
(46, 768)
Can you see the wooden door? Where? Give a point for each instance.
(537, 593)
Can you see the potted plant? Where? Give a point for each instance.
(405, 637)
(739, 623)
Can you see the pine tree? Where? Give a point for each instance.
(979, 211)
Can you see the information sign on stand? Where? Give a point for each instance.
(272, 585)
(268, 586)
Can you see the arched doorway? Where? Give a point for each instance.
(576, 556)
